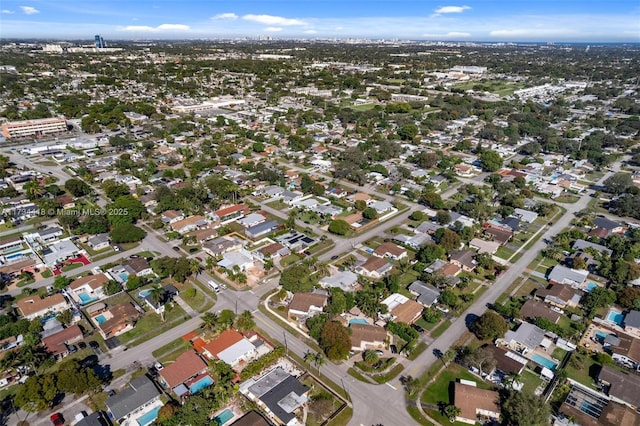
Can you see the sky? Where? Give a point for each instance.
(465, 20)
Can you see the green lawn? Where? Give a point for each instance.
(440, 329)
(584, 372)
(171, 347)
(559, 353)
(567, 198)
(288, 260)
(343, 418)
(439, 389)
(278, 205)
(504, 252)
(530, 381)
(151, 325)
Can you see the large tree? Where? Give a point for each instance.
(618, 183)
(77, 187)
(297, 279)
(490, 325)
(335, 341)
(520, 408)
(127, 233)
(490, 161)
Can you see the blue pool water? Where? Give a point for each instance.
(48, 317)
(149, 417)
(143, 293)
(124, 276)
(201, 384)
(100, 319)
(85, 298)
(14, 256)
(591, 286)
(12, 249)
(358, 321)
(600, 335)
(615, 317)
(223, 417)
(538, 359)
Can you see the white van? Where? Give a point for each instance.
(214, 286)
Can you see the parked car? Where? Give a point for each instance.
(393, 348)
(379, 352)
(72, 349)
(334, 257)
(57, 419)
(158, 366)
(176, 248)
(116, 248)
(417, 328)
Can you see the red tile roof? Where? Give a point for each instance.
(225, 340)
(183, 368)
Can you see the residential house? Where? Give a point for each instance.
(59, 251)
(98, 242)
(621, 386)
(49, 234)
(475, 403)
(279, 394)
(190, 224)
(533, 309)
(241, 259)
(251, 220)
(464, 170)
(116, 319)
(525, 339)
(87, 289)
(172, 216)
(484, 246)
(33, 306)
(559, 295)
(291, 197)
(365, 336)
(511, 222)
(427, 295)
(390, 250)
(202, 235)
(632, 323)
(138, 265)
(252, 418)
(401, 309)
(499, 235)
(273, 250)
(261, 229)
(381, 207)
(610, 226)
(525, 215)
(271, 191)
(221, 245)
(232, 213)
(57, 344)
(506, 361)
(346, 280)
(599, 409)
(416, 241)
(138, 396)
(231, 347)
(581, 244)
(624, 349)
(464, 259)
(374, 267)
(167, 293)
(186, 366)
(562, 275)
(304, 305)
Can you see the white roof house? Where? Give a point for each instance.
(243, 349)
(252, 219)
(60, 251)
(241, 258)
(346, 280)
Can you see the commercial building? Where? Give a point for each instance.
(34, 128)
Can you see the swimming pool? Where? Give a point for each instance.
(144, 293)
(545, 362)
(615, 317)
(100, 318)
(601, 335)
(200, 384)
(358, 321)
(591, 286)
(223, 417)
(149, 417)
(85, 298)
(124, 276)
(14, 256)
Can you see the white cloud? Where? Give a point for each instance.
(225, 16)
(451, 9)
(450, 35)
(273, 29)
(310, 32)
(273, 20)
(28, 10)
(7, 12)
(159, 28)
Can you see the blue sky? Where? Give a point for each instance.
(485, 20)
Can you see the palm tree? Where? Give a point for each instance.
(323, 269)
(319, 360)
(451, 411)
(155, 293)
(510, 380)
(195, 267)
(244, 321)
(209, 321)
(370, 357)
(33, 190)
(309, 357)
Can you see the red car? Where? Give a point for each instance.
(57, 419)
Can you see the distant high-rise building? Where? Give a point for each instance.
(99, 42)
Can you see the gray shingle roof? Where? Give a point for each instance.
(140, 391)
